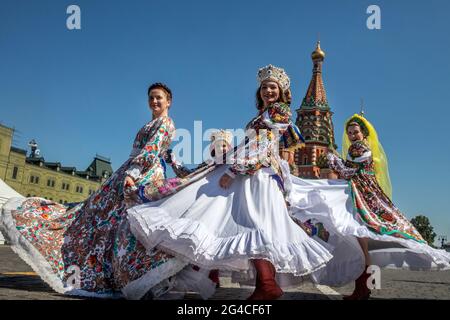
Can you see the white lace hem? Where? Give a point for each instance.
(191, 240)
(414, 255)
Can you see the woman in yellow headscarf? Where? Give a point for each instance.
(367, 171)
(358, 214)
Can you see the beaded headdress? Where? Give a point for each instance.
(271, 72)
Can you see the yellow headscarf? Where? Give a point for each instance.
(378, 154)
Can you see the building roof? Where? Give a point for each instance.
(18, 150)
(35, 160)
(100, 166)
(70, 169)
(52, 164)
(87, 174)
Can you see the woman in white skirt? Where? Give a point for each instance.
(236, 213)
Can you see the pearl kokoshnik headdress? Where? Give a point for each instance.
(271, 72)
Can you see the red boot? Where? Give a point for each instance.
(361, 291)
(214, 277)
(266, 286)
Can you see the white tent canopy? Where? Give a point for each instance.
(6, 193)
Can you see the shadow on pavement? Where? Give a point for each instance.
(28, 283)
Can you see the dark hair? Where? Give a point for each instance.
(285, 97)
(160, 85)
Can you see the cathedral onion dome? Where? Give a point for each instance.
(318, 54)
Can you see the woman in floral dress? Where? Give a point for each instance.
(360, 207)
(89, 249)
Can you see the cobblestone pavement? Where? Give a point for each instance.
(18, 282)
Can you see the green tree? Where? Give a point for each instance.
(423, 225)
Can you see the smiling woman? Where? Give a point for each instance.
(269, 92)
(94, 236)
(159, 99)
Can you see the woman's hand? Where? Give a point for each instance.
(332, 175)
(225, 181)
(130, 192)
(129, 182)
(287, 155)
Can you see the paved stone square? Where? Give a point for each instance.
(19, 282)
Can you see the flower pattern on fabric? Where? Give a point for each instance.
(261, 149)
(373, 208)
(95, 235)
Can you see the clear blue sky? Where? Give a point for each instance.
(83, 92)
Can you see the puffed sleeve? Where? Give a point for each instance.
(260, 149)
(256, 155)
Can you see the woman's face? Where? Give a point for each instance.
(354, 133)
(270, 92)
(158, 102)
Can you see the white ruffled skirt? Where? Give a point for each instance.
(330, 202)
(216, 228)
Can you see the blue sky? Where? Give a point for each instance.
(82, 92)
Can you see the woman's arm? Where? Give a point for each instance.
(179, 170)
(253, 155)
(337, 164)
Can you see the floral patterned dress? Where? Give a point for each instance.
(95, 236)
(373, 207)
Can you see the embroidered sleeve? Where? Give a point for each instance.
(244, 167)
(337, 164)
(261, 147)
(253, 156)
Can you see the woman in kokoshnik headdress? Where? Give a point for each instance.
(362, 208)
(234, 217)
